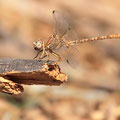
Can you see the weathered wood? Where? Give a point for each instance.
(29, 72)
(10, 87)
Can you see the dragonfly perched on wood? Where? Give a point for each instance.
(63, 36)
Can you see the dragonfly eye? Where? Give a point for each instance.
(37, 45)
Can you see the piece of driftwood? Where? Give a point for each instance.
(17, 72)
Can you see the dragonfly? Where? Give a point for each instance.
(63, 35)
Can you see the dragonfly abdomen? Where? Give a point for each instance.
(115, 36)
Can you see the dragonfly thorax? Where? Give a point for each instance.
(55, 42)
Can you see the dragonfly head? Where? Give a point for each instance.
(37, 44)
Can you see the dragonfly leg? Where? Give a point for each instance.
(47, 55)
(43, 57)
(43, 51)
(37, 54)
(56, 55)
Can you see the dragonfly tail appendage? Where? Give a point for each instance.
(96, 38)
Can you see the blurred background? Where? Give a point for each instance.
(92, 91)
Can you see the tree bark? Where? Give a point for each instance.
(17, 72)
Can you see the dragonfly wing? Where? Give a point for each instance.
(73, 57)
(71, 35)
(60, 23)
(62, 27)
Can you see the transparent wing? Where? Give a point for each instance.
(73, 57)
(60, 24)
(71, 35)
(62, 27)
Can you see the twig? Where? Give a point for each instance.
(15, 72)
